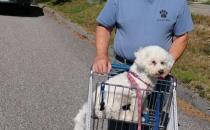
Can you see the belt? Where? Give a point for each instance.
(123, 60)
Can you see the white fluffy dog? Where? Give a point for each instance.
(151, 62)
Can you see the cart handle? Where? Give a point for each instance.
(124, 67)
(120, 66)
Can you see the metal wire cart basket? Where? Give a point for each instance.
(110, 110)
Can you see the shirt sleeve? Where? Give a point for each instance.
(107, 16)
(184, 21)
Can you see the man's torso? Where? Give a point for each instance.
(144, 22)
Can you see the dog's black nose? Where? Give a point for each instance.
(161, 72)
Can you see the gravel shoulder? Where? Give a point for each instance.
(188, 122)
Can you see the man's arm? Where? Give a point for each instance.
(101, 63)
(178, 46)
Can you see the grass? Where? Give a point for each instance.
(201, 1)
(79, 11)
(207, 3)
(193, 69)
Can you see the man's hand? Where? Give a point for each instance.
(101, 65)
(166, 73)
(176, 50)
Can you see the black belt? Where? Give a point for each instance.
(123, 60)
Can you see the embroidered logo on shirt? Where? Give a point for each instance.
(163, 16)
(163, 13)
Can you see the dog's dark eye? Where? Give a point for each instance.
(153, 62)
(162, 63)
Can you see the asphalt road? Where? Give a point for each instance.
(44, 73)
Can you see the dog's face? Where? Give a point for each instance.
(154, 61)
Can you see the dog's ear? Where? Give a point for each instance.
(137, 53)
(142, 54)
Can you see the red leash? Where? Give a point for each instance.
(136, 86)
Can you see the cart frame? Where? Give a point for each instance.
(172, 124)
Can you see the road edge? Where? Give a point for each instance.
(73, 27)
(193, 98)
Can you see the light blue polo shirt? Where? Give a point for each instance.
(141, 23)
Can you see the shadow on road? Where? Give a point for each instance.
(14, 10)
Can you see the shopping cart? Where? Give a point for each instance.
(160, 112)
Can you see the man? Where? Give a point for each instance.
(141, 23)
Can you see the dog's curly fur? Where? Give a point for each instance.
(151, 62)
